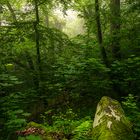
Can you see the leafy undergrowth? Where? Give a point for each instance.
(132, 110)
(64, 127)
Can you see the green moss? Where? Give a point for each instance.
(46, 135)
(9, 67)
(112, 123)
(107, 101)
(118, 131)
(34, 124)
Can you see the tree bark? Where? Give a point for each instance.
(37, 36)
(99, 33)
(40, 105)
(115, 28)
(38, 60)
(32, 69)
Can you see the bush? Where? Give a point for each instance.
(69, 126)
(133, 112)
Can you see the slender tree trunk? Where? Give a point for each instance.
(38, 60)
(115, 23)
(99, 33)
(37, 36)
(32, 69)
(115, 28)
(39, 105)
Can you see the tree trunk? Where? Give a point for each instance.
(115, 28)
(38, 60)
(39, 105)
(99, 33)
(32, 69)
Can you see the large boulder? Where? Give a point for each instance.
(110, 122)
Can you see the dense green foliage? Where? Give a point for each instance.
(53, 81)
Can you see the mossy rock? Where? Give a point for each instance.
(110, 122)
(47, 135)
